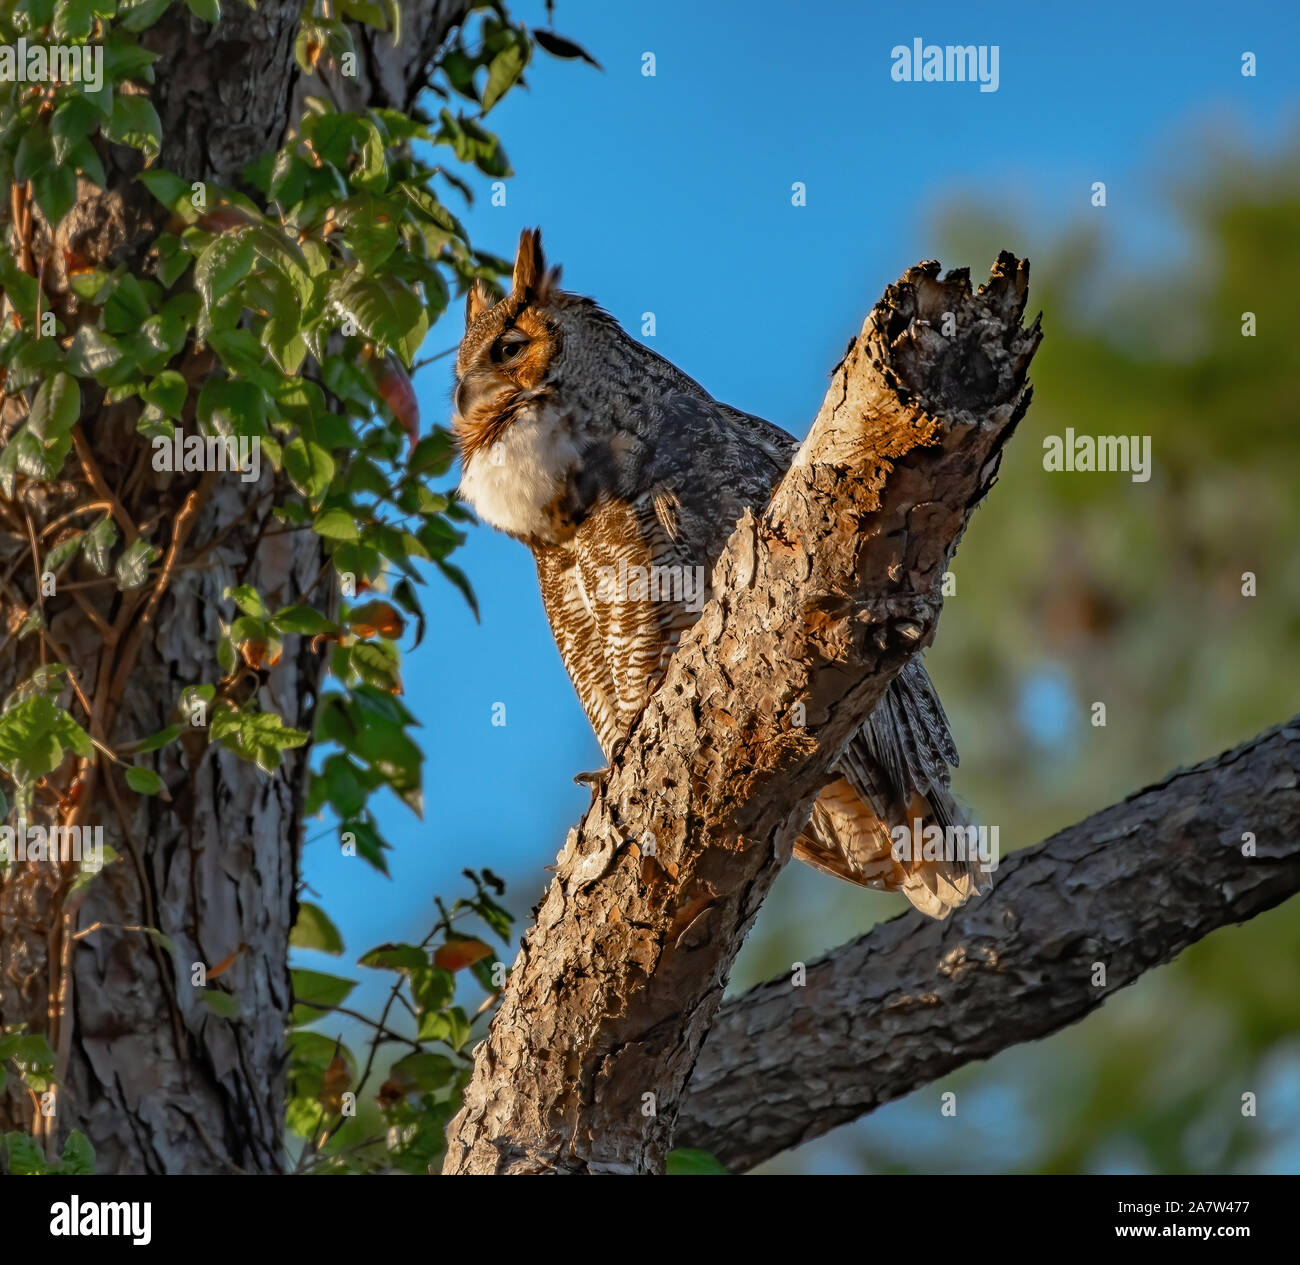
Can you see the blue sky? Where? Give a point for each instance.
(672, 195)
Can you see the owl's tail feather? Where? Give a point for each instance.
(938, 884)
(889, 819)
(844, 837)
(892, 802)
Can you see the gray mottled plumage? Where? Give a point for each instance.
(602, 457)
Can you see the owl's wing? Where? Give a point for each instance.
(639, 587)
(636, 574)
(716, 462)
(572, 616)
(618, 596)
(905, 748)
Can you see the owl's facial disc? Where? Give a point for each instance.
(509, 349)
(503, 365)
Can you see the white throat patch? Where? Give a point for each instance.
(511, 483)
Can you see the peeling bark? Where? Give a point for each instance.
(819, 602)
(1130, 888)
(156, 1081)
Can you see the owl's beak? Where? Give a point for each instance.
(478, 395)
(464, 394)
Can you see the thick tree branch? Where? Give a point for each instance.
(819, 602)
(1127, 889)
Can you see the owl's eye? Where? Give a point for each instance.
(508, 346)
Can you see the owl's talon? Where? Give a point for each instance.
(592, 779)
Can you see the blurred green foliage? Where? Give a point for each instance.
(1074, 588)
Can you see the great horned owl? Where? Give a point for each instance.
(617, 470)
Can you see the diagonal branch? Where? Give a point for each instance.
(1127, 889)
(819, 603)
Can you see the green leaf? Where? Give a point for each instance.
(73, 19)
(207, 10)
(258, 737)
(383, 309)
(366, 11)
(310, 468)
(31, 1050)
(61, 552)
(434, 1026)
(55, 189)
(34, 735)
(471, 144)
(459, 1027)
(125, 303)
(140, 15)
(47, 679)
(346, 789)
(689, 1162)
(423, 1071)
(379, 666)
(83, 158)
(26, 453)
(132, 568)
(34, 622)
(314, 930)
(280, 332)
(143, 781)
(56, 407)
(23, 1157)
(304, 620)
(370, 846)
(372, 172)
(314, 993)
(135, 122)
(78, 1155)
(336, 524)
(71, 123)
(159, 740)
(394, 957)
(33, 152)
(223, 264)
(369, 228)
(248, 600)
(432, 988)
(99, 543)
(167, 392)
(169, 189)
(173, 259)
(33, 362)
(191, 697)
(504, 71)
(92, 351)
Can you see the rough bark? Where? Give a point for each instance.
(820, 602)
(155, 1080)
(1129, 888)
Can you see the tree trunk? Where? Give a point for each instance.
(156, 1080)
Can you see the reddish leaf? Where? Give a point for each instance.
(397, 392)
(455, 955)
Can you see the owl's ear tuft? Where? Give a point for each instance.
(477, 301)
(530, 265)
